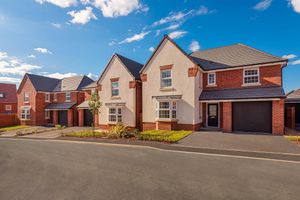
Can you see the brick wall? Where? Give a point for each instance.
(13, 106)
(227, 116)
(278, 117)
(269, 76)
(139, 106)
(8, 120)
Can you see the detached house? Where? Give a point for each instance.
(8, 104)
(232, 88)
(120, 92)
(43, 100)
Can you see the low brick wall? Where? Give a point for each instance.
(8, 120)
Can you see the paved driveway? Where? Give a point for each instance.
(247, 142)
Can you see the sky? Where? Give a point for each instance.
(61, 38)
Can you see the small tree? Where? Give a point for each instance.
(94, 105)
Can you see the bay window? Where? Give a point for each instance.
(166, 110)
(25, 114)
(115, 115)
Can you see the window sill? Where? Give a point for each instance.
(113, 123)
(115, 97)
(167, 89)
(251, 84)
(25, 119)
(212, 85)
(68, 101)
(166, 120)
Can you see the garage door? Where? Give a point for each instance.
(252, 117)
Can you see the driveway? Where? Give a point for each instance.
(235, 141)
(43, 169)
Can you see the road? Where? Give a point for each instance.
(54, 170)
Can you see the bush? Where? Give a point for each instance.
(163, 136)
(86, 134)
(59, 127)
(118, 131)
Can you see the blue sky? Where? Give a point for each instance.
(60, 38)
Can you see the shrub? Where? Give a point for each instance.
(117, 131)
(88, 133)
(163, 136)
(59, 127)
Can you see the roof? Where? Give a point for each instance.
(237, 55)
(46, 84)
(132, 66)
(242, 93)
(293, 97)
(92, 85)
(10, 92)
(60, 106)
(83, 105)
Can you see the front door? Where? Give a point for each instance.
(212, 115)
(63, 117)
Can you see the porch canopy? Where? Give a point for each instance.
(84, 105)
(242, 93)
(116, 104)
(167, 97)
(60, 106)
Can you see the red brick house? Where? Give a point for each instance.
(232, 88)
(44, 101)
(8, 104)
(292, 105)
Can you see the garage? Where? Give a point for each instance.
(252, 117)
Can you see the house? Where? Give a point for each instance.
(232, 88)
(8, 104)
(43, 100)
(292, 105)
(120, 92)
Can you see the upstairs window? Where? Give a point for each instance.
(115, 115)
(211, 80)
(166, 78)
(251, 76)
(47, 97)
(26, 96)
(167, 110)
(55, 97)
(2, 95)
(68, 96)
(115, 88)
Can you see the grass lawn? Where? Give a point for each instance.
(88, 133)
(163, 136)
(292, 138)
(11, 128)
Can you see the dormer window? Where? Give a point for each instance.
(211, 80)
(251, 76)
(166, 78)
(2, 95)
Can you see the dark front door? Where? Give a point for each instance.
(252, 117)
(88, 118)
(63, 117)
(212, 115)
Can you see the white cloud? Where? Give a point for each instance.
(263, 5)
(151, 49)
(290, 56)
(56, 25)
(136, 37)
(42, 50)
(296, 62)
(10, 65)
(296, 5)
(61, 76)
(171, 27)
(194, 46)
(92, 76)
(31, 56)
(60, 3)
(85, 2)
(177, 34)
(82, 16)
(203, 11)
(171, 18)
(116, 8)
(6, 79)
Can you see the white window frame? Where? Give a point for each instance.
(165, 78)
(172, 109)
(68, 96)
(26, 114)
(115, 88)
(8, 108)
(2, 95)
(117, 114)
(47, 114)
(246, 76)
(55, 97)
(47, 97)
(26, 97)
(208, 79)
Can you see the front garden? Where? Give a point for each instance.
(121, 132)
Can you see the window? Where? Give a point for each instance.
(47, 97)
(115, 115)
(166, 78)
(8, 108)
(251, 76)
(68, 96)
(2, 95)
(211, 79)
(115, 88)
(167, 110)
(55, 96)
(26, 96)
(25, 114)
(47, 114)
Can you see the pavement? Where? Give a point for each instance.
(53, 169)
(239, 142)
